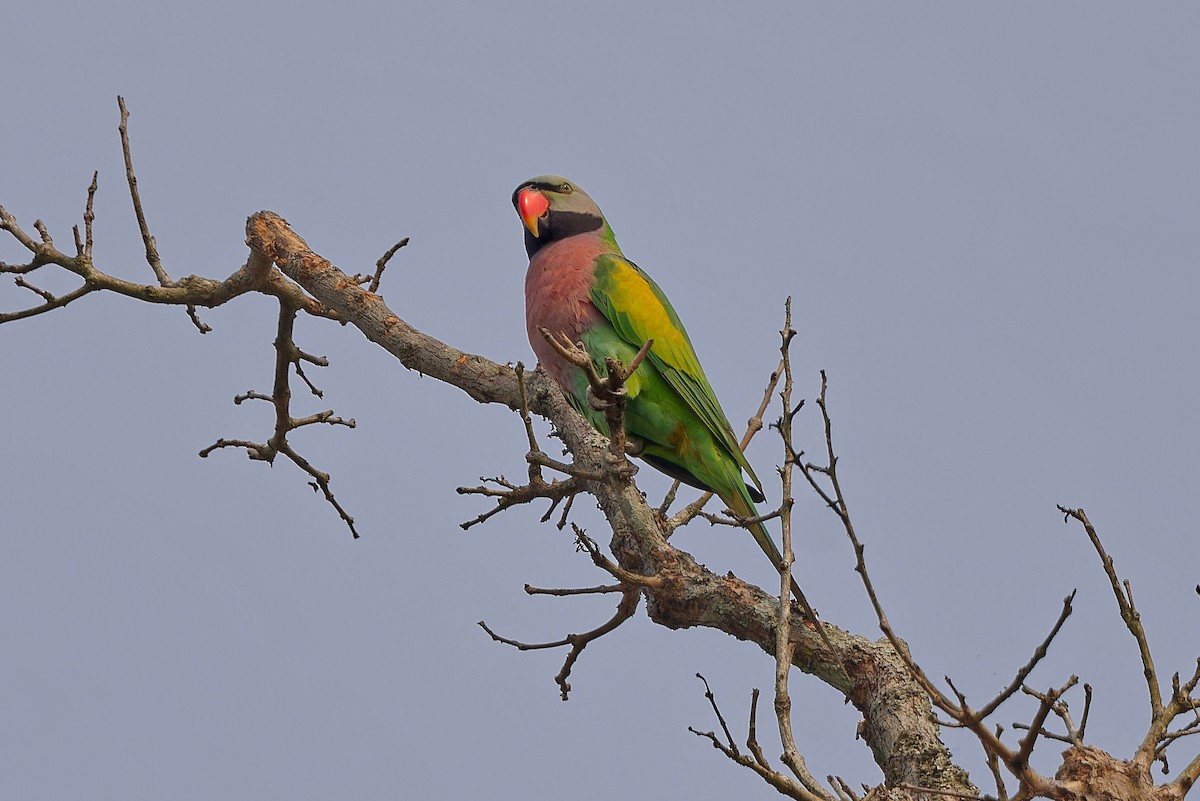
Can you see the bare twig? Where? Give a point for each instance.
(993, 763)
(669, 499)
(752, 732)
(605, 588)
(1046, 705)
(841, 789)
(1051, 701)
(373, 281)
(783, 627)
(255, 450)
(513, 495)
(288, 355)
(601, 561)
(837, 502)
(712, 699)
(1129, 613)
(562, 519)
(43, 294)
(577, 642)
(194, 316)
(1160, 715)
(737, 521)
(301, 375)
(1038, 654)
(1087, 708)
(781, 782)
(152, 257)
(89, 217)
(50, 305)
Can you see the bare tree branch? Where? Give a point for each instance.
(757, 762)
(372, 281)
(577, 642)
(1038, 655)
(287, 357)
(1158, 735)
(605, 588)
(1129, 612)
(152, 257)
(783, 629)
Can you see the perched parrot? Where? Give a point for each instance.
(580, 285)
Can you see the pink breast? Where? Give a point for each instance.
(557, 298)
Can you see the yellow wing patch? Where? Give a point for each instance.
(639, 311)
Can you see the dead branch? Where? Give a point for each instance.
(712, 699)
(1182, 700)
(152, 257)
(757, 763)
(287, 358)
(373, 280)
(257, 274)
(1129, 614)
(787, 585)
(602, 589)
(513, 495)
(1048, 701)
(577, 642)
(1038, 654)
(601, 561)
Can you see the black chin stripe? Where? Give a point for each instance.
(532, 243)
(562, 224)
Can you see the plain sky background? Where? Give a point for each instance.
(986, 214)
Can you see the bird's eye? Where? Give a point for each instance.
(566, 187)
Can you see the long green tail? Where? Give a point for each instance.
(741, 505)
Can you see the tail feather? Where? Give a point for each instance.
(742, 506)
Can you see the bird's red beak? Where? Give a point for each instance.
(532, 205)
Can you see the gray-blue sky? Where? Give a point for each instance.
(985, 213)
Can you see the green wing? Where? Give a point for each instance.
(639, 311)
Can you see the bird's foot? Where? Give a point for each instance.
(600, 404)
(621, 466)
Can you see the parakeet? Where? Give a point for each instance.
(580, 285)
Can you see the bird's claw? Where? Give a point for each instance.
(600, 404)
(622, 466)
